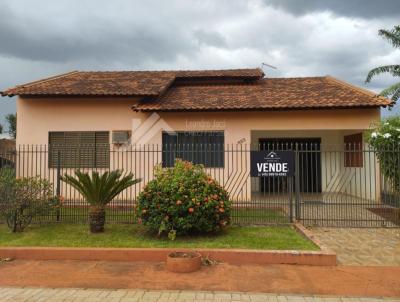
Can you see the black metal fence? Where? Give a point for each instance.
(336, 186)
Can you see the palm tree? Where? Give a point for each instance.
(393, 36)
(99, 190)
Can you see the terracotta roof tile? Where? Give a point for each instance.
(269, 93)
(97, 83)
(195, 90)
(256, 73)
(123, 83)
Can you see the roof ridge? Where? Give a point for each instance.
(171, 70)
(48, 79)
(291, 78)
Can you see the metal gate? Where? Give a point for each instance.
(333, 186)
(355, 192)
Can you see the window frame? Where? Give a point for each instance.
(69, 151)
(215, 161)
(353, 153)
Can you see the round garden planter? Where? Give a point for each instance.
(183, 262)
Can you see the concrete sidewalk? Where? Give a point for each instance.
(287, 279)
(104, 295)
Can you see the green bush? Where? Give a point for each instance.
(99, 190)
(183, 200)
(21, 199)
(384, 137)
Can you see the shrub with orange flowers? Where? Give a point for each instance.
(183, 200)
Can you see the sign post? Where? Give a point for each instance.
(275, 164)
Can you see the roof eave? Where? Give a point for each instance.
(80, 95)
(137, 109)
(5, 93)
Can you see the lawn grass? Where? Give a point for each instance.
(133, 235)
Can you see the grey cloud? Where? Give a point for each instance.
(355, 8)
(50, 37)
(212, 38)
(89, 39)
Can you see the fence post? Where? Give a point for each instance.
(58, 184)
(297, 183)
(290, 179)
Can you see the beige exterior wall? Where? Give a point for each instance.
(38, 116)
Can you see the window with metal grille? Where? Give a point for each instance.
(79, 149)
(203, 147)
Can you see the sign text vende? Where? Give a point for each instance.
(272, 163)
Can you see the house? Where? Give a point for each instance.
(7, 148)
(214, 116)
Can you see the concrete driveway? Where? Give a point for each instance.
(362, 246)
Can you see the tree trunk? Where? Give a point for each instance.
(97, 218)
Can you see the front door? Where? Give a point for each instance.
(309, 157)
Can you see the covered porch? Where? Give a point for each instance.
(332, 165)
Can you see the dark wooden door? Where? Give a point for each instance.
(309, 164)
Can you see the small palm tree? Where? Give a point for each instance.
(99, 190)
(393, 36)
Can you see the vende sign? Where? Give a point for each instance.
(272, 163)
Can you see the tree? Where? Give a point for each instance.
(384, 137)
(98, 190)
(12, 124)
(1, 128)
(21, 199)
(393, 36)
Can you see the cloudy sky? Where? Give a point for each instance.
(300, 37)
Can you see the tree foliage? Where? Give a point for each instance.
(12, 124)
(393, 92)
(99, 190)
(384, 137)
(21, 199)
